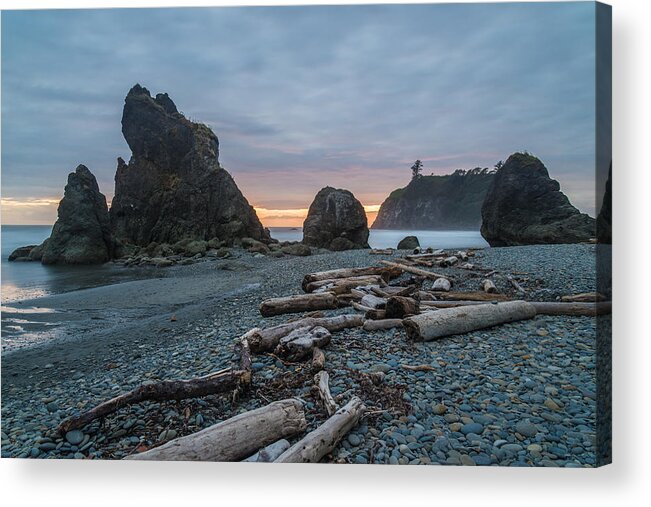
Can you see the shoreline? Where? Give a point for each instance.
(120, 344)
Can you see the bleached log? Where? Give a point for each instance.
(344, 285)
(318, 359)
(432, 325)
(467, 265)
(515, 284)
(270, 453)
(432, 255)
(399, 307)
(322, 382)
(585, 297)
(381, 251)
(488, 286)
(441, 285)
(449, 261)
(461, 255)
(415, 271)
(298, 303)
(542, 308)
(267, 339)
(300, 342)
(383, 271)
(316, 444)
(375, 325)
(236, 438)
(371, 301)
(472, 296)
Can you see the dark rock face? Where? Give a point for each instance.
(336, 220)
(174, 188)
(82, 232)
(605, 217)
(22, 253)
(408, 243)
(524, 206)
(452, 201)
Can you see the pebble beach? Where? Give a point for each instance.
(519, 394)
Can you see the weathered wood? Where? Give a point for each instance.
(384, 272)
(437, 324)
(374, 302)
(441, 285)
(399, 307)
(318, 359)
(270, 453)
(415, 271)
(344, 285)
(300, 342)
(375, 325)
(381, 251)
(515, 284)
(267, 339)
(488, 286)
(322, 382)
(449, 261)
(236, 438)
(542, 307)
(219, 382)
(298, 303)
(585, 297)
(316, 444)
(472, 296)
(462, 255)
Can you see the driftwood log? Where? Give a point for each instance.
(372, 301)
(383, 271)
(298, 303)
(264, 340)
(399, 307)
(415, 271)
(270, 453)
(222, 381)
(585, 297)
(488, 286)
(472, 296)
(542, 308)
(322, 382)
(300, 343)
(515, 284)
(344, 285)
(375, 325)
(449, 261)
(316, 444)
(437, 324)
(235, 438)
(318, 359)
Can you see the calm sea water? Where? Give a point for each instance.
(26, 280)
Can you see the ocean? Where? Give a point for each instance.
(27, 280)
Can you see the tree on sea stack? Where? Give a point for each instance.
(416, 170)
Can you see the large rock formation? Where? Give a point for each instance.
(451, 201)
(174, 188)
(524, 206)
(82, 232)
(605, 217)
(336, 220)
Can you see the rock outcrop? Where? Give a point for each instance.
(524, 206)
(605, 217)
(336, 221)
(82, 232)
(408, 243)
(22, 253)
(451, 201)
(174, 188)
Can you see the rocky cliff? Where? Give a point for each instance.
(524, 206)
(451, 201)
(336, 220)
(605, 217)
(174, 188)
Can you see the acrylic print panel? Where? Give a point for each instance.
(371, 234)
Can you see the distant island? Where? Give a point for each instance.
(451, 201)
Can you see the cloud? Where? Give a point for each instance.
(304, 97)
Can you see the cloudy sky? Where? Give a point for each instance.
(302, 97)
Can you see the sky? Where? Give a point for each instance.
(303, 97)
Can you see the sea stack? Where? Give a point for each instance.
(336, 221)
(174, 188)
(524, 206)
(605, 217)
(82, 232)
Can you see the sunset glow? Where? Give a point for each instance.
(295, 217)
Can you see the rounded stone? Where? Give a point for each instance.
(75, 437)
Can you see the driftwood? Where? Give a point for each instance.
(370, 313)
(437, 324)
(222, 381)
(235, 438)
(418, 367)
(267, 339)
(488, 286)
(449, 261)
(322, 380)
(301, 342)
(472, 296)
(415, 271)
(586, 297)
(399, 307)
(431, 255)
(343, 285)
(316, 444)
(381, 251)
(542, 308)
(515, 284)
(461, 255)
(373, 302)
(384, 272)
(270, 453)
(298, 303)
(318, 359)
(441, 285)
(375, 325)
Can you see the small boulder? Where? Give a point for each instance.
(408, 243)
(21, 253)
(297, 249)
